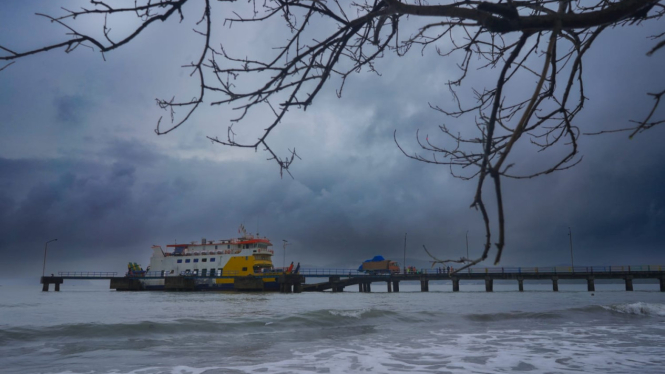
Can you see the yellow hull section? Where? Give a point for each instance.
(243, 266)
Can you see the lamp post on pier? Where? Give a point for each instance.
(467, 250)
(467, 244)
(572, 262)
(284, 258)
(404, 253)
(45, 248)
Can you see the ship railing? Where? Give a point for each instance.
(216, 273)
(154, 274)
(90, 274)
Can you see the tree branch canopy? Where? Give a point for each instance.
(504, 18)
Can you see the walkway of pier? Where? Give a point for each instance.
(337, 283)
(338, 279)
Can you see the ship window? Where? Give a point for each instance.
(204, 260)
(196, 260)
(215, 247)
(187, 261)
(204, 272)
(244, 269)
(180, 261)
(228, 246)
(212, 259)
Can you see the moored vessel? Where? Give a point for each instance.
(215, 265)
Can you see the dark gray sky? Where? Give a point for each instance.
(79, 161)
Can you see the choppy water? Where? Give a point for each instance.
(90, 329)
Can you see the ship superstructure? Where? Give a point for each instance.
(208, 260)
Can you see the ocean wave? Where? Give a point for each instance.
(336, 316)
(121, 330)
(318, 318)
(493, 317)
(180, 369)
(349, 313)
(638, 308)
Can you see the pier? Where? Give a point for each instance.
(337, 283)
(339, 279)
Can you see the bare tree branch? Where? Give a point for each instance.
(538, 42)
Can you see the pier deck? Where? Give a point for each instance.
(338, 279)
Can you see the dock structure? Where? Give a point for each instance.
(47, 281)
(339, 279)
(489, 275)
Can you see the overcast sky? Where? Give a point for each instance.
(80, 162)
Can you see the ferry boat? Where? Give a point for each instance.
(214, 265)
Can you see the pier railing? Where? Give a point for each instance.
(555, 269)
(495, 270)
(315, 271)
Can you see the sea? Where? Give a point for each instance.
(88, 328)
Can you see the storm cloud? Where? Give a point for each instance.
(79, 161)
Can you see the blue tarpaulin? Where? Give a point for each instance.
(376, 259)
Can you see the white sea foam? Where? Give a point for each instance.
(638, 308)
(181, 369)
(563, 350)
(349, 313)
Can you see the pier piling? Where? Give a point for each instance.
(288, 283)
(396, 286)
(489, 284)
(629, 283)
(334, 280)
(424, 285)
(455, 284)
(390, 288)
(590, 285)
(555, 284)
(520, 282)
(46, 281)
